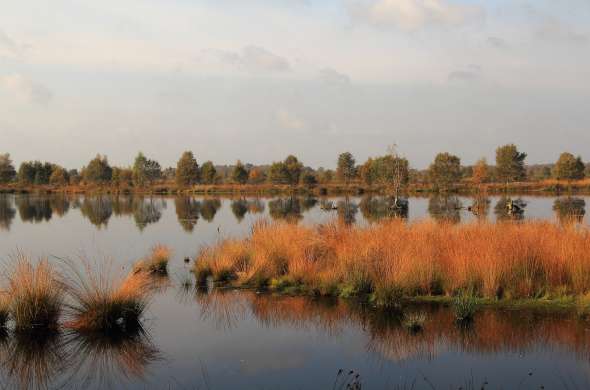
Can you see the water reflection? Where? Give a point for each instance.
(505, 213)
(209, 208)
(375, 208)
(569, 209)
(445, 208)
(45, 360)
(7, 212)
(347, 211)
(187, 212)
(34, 208)
(239, 208)
(289, 209)
(491, 332)
(98, 209)
(148, 211)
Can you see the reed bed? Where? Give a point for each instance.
(156, 261)
(393, 259)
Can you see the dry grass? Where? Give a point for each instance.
(503, 260)
(105, 306)
(156, 262)
(35, 295)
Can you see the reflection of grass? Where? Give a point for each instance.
(156, 262)
(107, 358)
(35, 293)
(393, 259)
(414, 321)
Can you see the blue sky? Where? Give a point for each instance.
(256, 79)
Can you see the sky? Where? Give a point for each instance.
(257, 80)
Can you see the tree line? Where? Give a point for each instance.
(390, 169)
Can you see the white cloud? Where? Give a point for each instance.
(470, 74)
(411, 15)
(8, 46)
(332, 76)
(289, 120)
(26, 89)
(254, 59)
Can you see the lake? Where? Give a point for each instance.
(223, 339)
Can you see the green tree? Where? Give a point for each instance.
(208, 173)
(386, 170)
(569, 167)
(240, 173)
(480, 172)
(7, 171)
(145, 171)
(445, 170)
(294, 169)
(278, 173)
(308, 177)
(510, 163)
(98, 170)
(346, 170)
(59, 176)
(187, 170)
(34, 172)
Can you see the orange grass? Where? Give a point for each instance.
(156, 262)
(492, 260)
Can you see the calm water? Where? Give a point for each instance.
(224, 339)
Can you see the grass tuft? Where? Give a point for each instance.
(102, 305)
(35, 293)
(156, 262)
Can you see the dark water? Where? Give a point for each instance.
(243, 340)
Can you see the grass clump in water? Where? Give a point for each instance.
(35, 293)
(101, 305)
(156, 262)
(464, 306)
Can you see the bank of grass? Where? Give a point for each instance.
(156, 261)
(394, 260)
(34, 297)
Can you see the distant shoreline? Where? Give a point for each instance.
(553, 187)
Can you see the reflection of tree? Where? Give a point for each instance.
(569, 209)
(445, 208)
(287, 209)
(376, 208)
(255, 206)
(209, 208)
(308, 203)
(239, 208)
(503, 213)
(59, 204)
(33, 208)
(123, 205)
(98, 209)
(480, 206)
(347, 211)
(148, 211)
(7, 212)
(187, 211)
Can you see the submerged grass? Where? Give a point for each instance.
(395, 259)
(35, 295)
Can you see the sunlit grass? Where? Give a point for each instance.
(156, 261)
(101, 303)
(395, 258)
(34, 296)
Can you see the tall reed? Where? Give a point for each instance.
(493, 260)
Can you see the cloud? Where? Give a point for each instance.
(8, 46)
(411, 15)
(26, 89)
(289, 120)
(471, 73)
(497, 43)
(556, 31)
(254, 59)
(331, 76)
